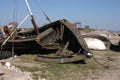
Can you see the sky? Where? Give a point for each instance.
(98, 14)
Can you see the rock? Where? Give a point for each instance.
(13, 73)
(8, 65)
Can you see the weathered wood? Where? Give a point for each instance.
(60, 36)
(60, 59)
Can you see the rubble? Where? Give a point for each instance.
(13, 73)
(104, 33)
(112, 36)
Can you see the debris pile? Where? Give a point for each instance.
(10, 72)
(112, 36)
(104, 33)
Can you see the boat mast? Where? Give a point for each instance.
(32, 18)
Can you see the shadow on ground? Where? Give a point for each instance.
(115, 47)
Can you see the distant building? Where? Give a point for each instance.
(77, 24)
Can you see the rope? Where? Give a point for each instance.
(15, 7)
(102, 64)
(47, 18)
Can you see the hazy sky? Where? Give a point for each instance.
(99, 14)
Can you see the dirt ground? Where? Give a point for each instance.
(105, 65)
(107, 68)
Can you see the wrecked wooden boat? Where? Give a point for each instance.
(59, 38)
